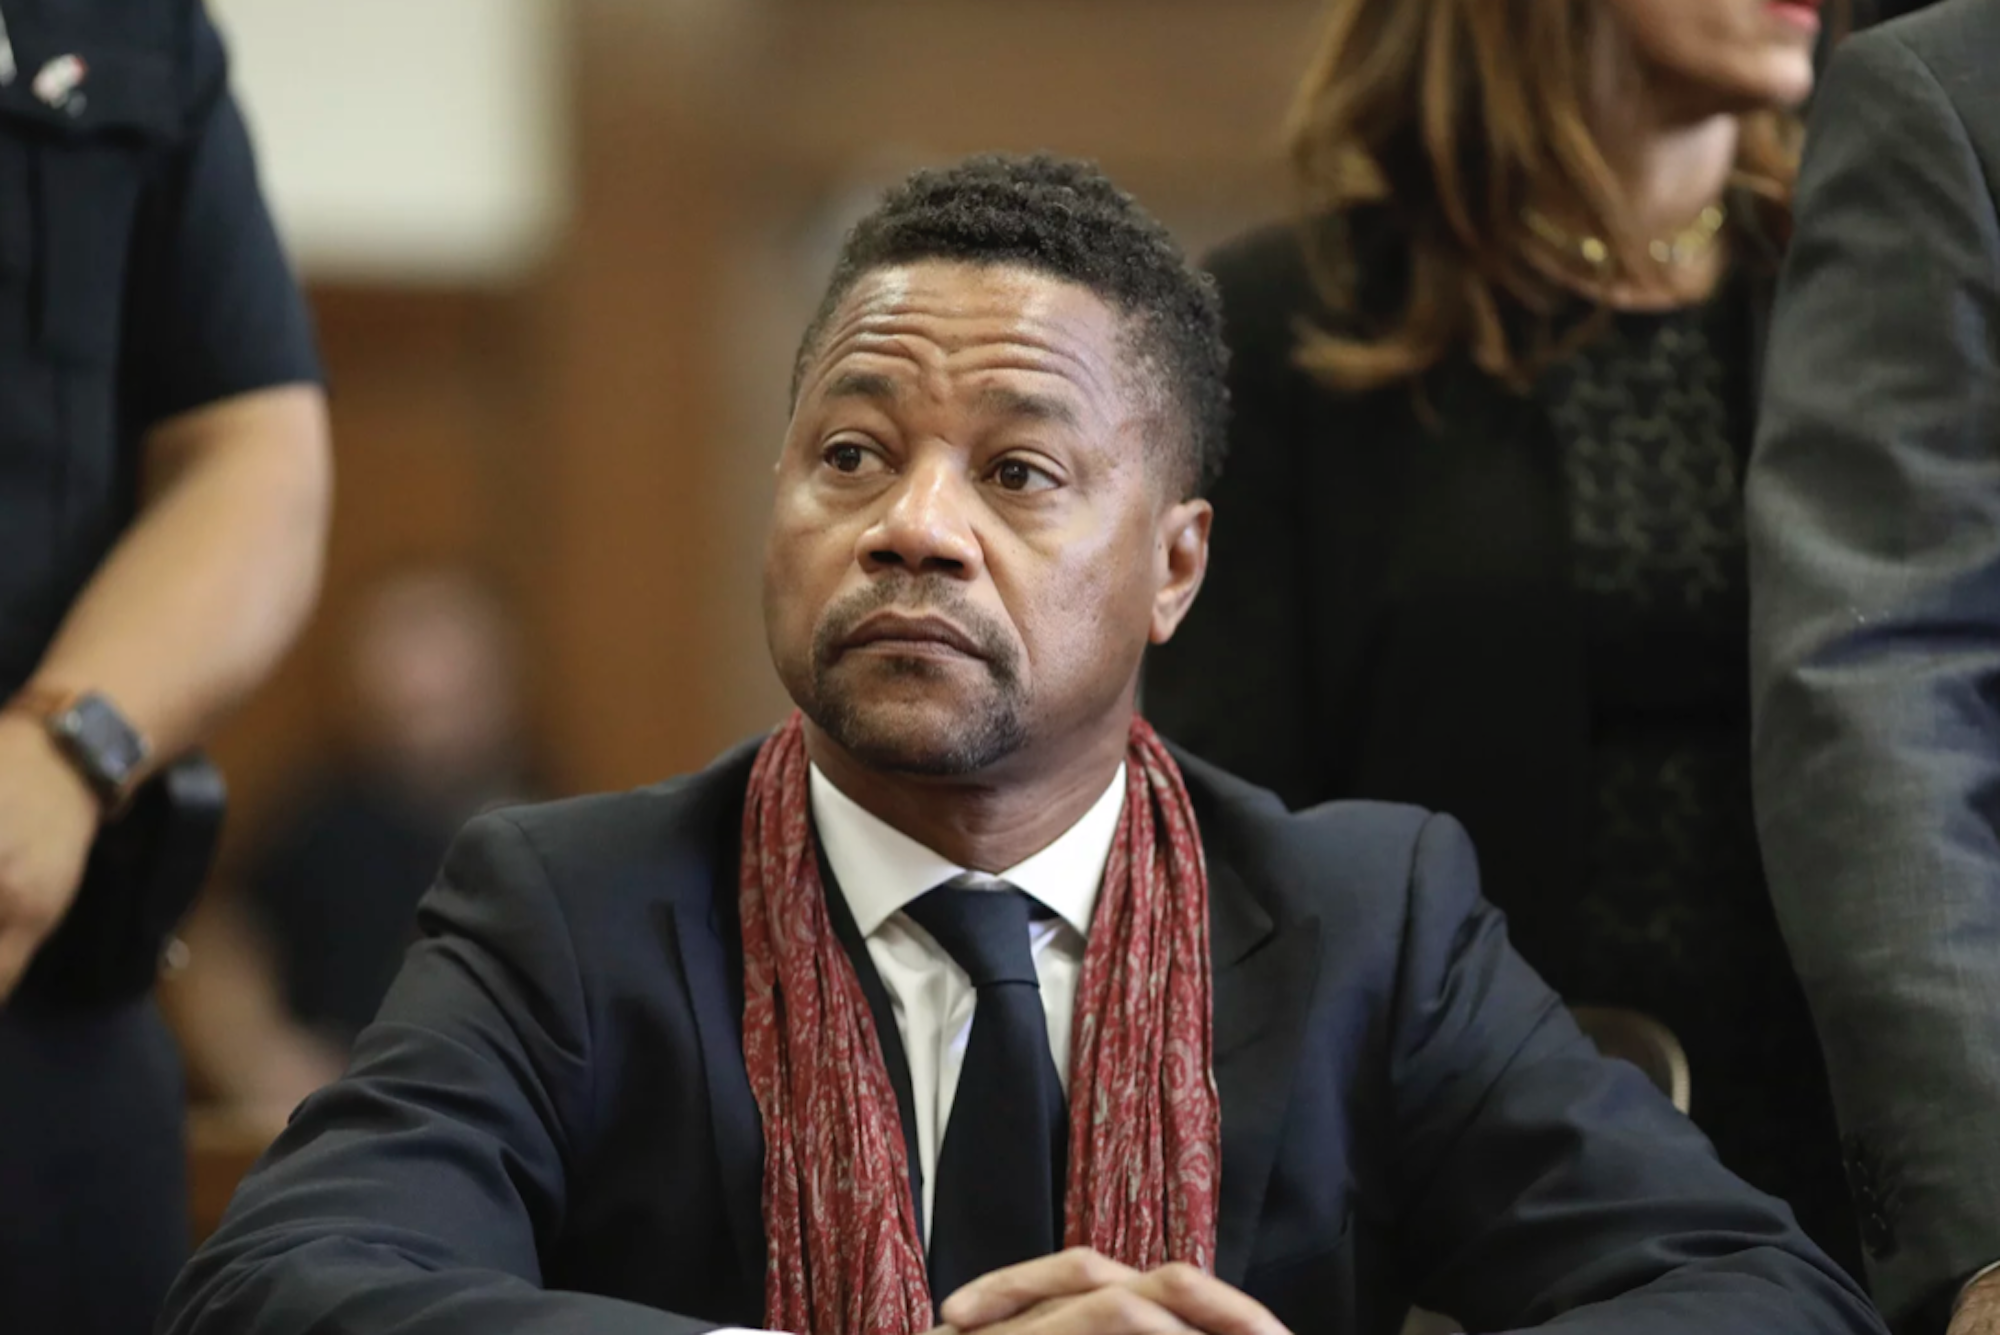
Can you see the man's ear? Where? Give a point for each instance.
(1180, 562)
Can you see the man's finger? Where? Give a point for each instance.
(1009, 1292)
(1113, 1310)
(1205, 1302)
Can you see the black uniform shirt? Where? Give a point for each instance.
(140, 277)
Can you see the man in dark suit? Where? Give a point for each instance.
(962, 966)
(1874, 498)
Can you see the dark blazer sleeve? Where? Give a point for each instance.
(1235, 683)
(1542, 1183)
(1874, 516)
(408, 1198)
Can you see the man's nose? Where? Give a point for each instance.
(927, 526)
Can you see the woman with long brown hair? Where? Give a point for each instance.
(1479, 542)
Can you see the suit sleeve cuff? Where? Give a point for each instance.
(1958, 1299)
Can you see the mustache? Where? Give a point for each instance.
(916, 595)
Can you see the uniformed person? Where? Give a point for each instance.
(164, 484)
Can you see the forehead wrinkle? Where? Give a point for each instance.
(891, 323)
(838, 376)
(1007, 401)
(1044, 355)
(854, 383)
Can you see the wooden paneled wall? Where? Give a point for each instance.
(431, 394)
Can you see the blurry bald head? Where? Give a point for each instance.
(435, 674)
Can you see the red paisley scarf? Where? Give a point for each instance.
(844, 1255)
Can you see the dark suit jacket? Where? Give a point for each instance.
(1874, 504)
(550, 1127)
(1390, 610)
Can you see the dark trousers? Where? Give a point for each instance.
(93, 1171)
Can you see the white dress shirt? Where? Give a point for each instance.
(881, 870)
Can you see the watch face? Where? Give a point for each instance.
(103, 739)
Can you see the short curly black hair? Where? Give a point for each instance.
(1065, 218)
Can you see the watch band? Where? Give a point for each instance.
(40, 701)
(109, 770)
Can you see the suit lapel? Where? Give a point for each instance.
(714, 978)
(714, 975)
(1264, 977)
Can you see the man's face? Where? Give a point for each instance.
(978, 525)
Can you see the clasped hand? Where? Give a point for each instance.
(1079, 1292)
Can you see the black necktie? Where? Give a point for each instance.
(998, 1196)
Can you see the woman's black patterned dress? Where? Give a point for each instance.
(1652, 418)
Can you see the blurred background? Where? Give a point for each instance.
(560, 252)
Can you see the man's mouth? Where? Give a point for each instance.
(894, 632)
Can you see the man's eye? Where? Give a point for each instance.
(1020, 475)
(848, 457)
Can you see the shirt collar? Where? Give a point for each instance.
(881, 869)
